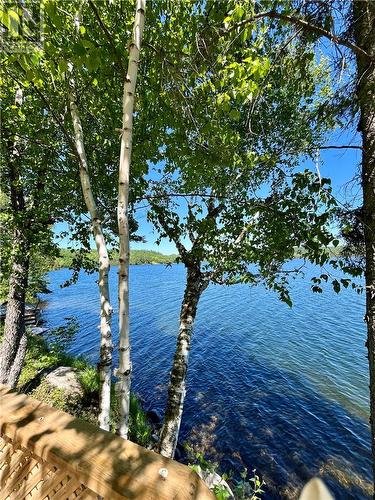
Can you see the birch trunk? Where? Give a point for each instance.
(124, 370)
(195, 285)
(364, 29)
(106, 347)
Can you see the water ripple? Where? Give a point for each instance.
(287, 388)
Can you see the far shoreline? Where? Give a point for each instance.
(66, 258)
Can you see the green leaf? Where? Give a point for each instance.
(235, 115)
(79, 49)
(336, 286)
(11, 21)
(345, 282)
(4, 19)
(87, 44)
(63, 66)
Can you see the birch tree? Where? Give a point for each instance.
(228, 195)
(98, 78)
(30, 153)
(106, 348)
(124, 370)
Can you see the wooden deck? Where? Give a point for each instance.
(48, 454)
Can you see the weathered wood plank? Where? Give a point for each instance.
(5, 455)
(10, 467)
(87, 494)
(51, 481)
(104, 463)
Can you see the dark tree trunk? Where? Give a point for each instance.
(196, 283)
(17, 366)
(364, 29)
(11, 358)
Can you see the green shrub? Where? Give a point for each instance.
(54, 396)
(248, 488)
(89, 379)
(38, 357)
(139, 427)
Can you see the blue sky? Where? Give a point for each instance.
(340, 165)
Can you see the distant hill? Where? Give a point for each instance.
(137, 257)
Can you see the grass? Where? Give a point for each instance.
(39, 357)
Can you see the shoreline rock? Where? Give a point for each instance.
(66, 378)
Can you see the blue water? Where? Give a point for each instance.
(281, 390)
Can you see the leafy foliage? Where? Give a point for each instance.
(246, 109)
(247, 488)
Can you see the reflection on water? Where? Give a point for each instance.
(287, 388)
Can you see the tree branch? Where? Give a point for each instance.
(166, 228)
(107, 34)
(341, 147)
(305, 25)
(56, 118)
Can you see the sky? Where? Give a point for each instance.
(340, 165)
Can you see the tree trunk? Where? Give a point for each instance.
(106, 346)
(13, 346)
(17, 366)
(124, 370)
(195, 285)
(11, 357)
(364, 29)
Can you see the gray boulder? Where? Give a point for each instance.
(66, 378)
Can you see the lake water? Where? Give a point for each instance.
(281, 390)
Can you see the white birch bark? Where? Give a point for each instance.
(106, 347)
(124, 370)
(195, 285)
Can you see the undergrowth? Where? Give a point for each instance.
(248, 487)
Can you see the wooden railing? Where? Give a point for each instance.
(46, 453)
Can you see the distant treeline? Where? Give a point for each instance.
(137, 257)
(40, 265)
(338, 251)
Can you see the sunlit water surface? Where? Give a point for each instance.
(281, 390)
